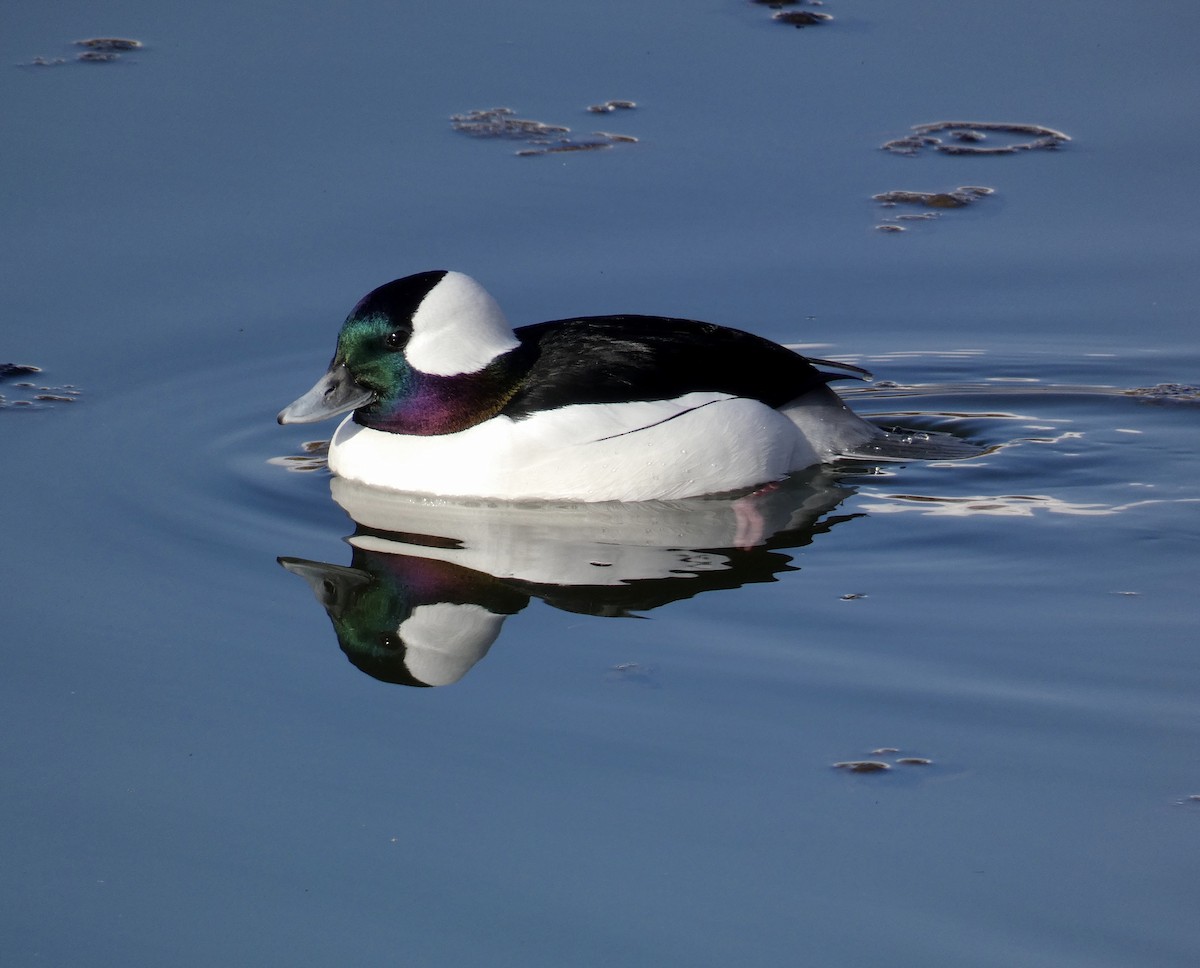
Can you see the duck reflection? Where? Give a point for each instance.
(431, 581)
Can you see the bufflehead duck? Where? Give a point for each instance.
(445, 398)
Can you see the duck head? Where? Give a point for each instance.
(426, 354)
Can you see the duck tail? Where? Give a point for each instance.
(841, 371)
(838, 433)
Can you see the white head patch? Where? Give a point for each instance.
(458, 328)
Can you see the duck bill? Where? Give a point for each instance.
(336, 392)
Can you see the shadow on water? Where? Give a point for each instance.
(431, 582)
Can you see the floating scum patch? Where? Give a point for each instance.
(543, 138)
(976, 138)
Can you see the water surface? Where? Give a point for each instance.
(638, 772)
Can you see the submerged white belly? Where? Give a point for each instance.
(703, 443)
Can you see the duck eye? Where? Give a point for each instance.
(394, 340)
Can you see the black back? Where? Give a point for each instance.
(613, 359)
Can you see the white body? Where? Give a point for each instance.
(701, 443)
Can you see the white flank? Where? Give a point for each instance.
(702, 443)
(458, 328)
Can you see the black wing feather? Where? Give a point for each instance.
(613, 359)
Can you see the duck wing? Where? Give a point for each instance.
(624, 359)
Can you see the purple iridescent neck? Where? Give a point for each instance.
(427, 405)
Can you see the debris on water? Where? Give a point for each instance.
(564, 144)
(545, 138)
(862, 766)
(853, 596)
(608, 106)
(44, 394)
(960, 197)
(109, 43)
(99, 50)
(10, 371)
(501, 123)
(795, 18)
(634, 672)
(880, 762)
(968, 138)
(1167, 393)
(314, 458)
(801, 18)
(886, 227)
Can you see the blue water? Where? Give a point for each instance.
(196, 775)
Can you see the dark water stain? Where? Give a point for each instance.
(968, 138)
(545, 138)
